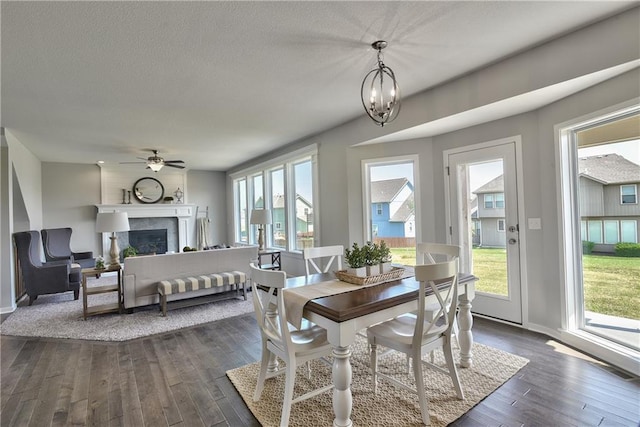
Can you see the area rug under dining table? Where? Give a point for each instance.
(390, 406)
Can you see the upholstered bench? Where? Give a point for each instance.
(195, 283)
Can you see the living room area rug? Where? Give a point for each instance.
(390, 406)
(60, 316)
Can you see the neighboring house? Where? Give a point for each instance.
(488, 219)
(609, 200)
(304, 217)
(392, 208)
(608, 204)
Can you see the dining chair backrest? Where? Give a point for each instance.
(429, 253)
(266, 287)
(333, 253)
(441, 279)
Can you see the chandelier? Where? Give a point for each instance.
(380, 93)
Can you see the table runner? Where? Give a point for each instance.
(296, 298)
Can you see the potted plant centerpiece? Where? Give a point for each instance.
(384, 257)
(370, 254)
(355, 260)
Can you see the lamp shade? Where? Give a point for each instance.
(108, 222)
(260, 216)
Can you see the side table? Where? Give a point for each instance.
(86, 292)
(275, 263)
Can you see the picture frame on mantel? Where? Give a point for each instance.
(148, 190)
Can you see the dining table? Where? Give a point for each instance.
(344, 308)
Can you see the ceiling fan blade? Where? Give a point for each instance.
(130, 163)
(173, 166)
(173, 161)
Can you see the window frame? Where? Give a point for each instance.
(286, 163)
(485, 200)
(504, 225)
(635, 194)
(496, 201)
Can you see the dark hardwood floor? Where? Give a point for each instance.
(178, 379)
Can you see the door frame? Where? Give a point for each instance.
(517, 141)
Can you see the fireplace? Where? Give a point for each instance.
(174, 218)
(149, 242)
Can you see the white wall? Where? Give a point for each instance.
(27, 170)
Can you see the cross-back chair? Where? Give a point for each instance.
(416, 335)
(430, 253)
(279, 338)
(314, 256)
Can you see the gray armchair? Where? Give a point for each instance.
(43, 278)
(57, 246)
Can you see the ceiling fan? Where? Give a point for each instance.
(155, 162)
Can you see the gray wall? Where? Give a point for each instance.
(602, 46)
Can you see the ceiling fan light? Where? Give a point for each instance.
(155, 166)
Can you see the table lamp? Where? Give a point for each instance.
(260, 217)
(112, 222)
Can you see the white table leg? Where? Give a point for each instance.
(342, 399)
(465, 337)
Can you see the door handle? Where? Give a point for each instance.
(513, 229)
(512, 241)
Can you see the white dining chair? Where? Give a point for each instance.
(279, 338)
(416, 336)
(430, 253)
(327, 254)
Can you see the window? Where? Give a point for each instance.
(285, 185)
(278, 209)
(241, 210)
(499, 200)
(379, 209)
(628, 194)
(501, 225)
(302, 179)
(595, 231)
(611, 232)
(629, 231)
(488, 201)
(587, 316)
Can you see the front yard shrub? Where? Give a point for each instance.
(628, 249)
(587, 247)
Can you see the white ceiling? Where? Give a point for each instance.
(218, 83)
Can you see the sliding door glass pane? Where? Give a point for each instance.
(595, 231)
(611, 232)
(629, 231)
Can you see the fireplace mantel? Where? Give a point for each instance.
(181, 211)
(151, 211)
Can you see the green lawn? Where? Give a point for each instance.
(611, 284)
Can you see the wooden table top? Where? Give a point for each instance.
(349, 305)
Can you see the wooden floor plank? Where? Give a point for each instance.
(131, 383)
